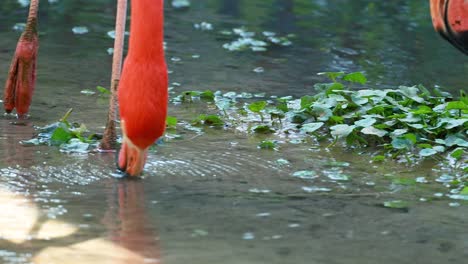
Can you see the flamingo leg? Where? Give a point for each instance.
(109, 141)
(21, 78)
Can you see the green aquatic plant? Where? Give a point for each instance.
(69, 136)
(408, 122)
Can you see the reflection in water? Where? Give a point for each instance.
(127, 221)
(131, 239)
(11, 151)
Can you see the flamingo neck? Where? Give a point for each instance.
(146, 30)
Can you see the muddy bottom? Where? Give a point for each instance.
(214, 197)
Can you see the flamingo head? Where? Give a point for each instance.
(132, 157)
(450, 19)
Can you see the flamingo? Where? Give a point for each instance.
(450, 19)
(142, 88)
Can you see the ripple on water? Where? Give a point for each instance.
(14, 257)
(38, 177)
(208, 164)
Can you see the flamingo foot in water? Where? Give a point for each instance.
(21, 79)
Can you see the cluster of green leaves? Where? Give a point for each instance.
(70, 137)
(404, 122)
(401, 120)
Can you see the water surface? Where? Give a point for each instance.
(215, 197)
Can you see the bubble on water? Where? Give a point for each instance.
(294, 225)
(75, 145)
(255, 190)
(23, 3)
(244, 43)
(336, 175)
(84, 226)
(111, 34)
(313, 189)
(370, 183)
(80, 30)
(203, 26)
(459, 197)
(86, 92)
(421, 180)
(263, 214)
(53, 212)
(445, 178)
(19, 27)
(258, 49)
(305, 174)
(110, 51)
(454, 204)
(195, 56)
(259, 70)
(14, 257)
(179, 4)
(438, 194)
(422, 199)
(199, 233)
(248, 236)
(282, 162)
(88, 216)
(268, 33)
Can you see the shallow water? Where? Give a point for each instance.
(215, 197)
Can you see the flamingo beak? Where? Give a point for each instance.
(450, 19)
(131, 157)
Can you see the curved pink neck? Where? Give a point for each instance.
(147, 30)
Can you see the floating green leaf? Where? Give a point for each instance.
(102, 90)
(396, 204)
(356, 77)
(311, 127)
(458, 105)
(171, 121)
(404, 181)
(374, 131)
(427, 152)
(457, 153)
(257, 107)
(263, 129)
(367, 122)
(267, 144)
(341, 130)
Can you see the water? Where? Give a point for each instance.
(215, 197)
